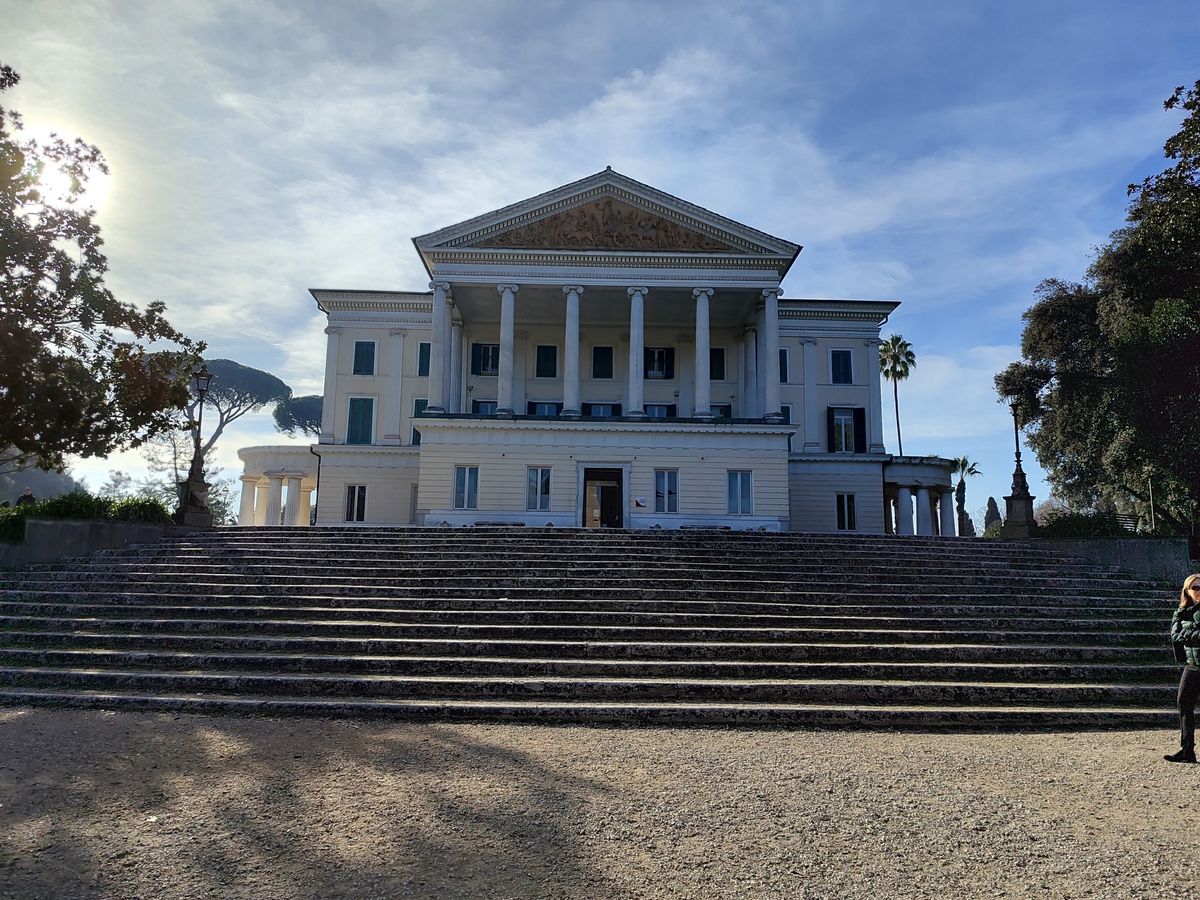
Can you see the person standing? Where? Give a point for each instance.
(1185, 635)
(26, 498)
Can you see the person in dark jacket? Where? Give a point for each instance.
(1185, 631)
(27, 498)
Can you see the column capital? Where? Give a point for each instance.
(440, 285)
(333, 329)
(637, 290)
(872, 342)
(702, 292)
(775, 292)
(749, 329)
(572, 289)
(397, 332)
(513, 288)
(250, 479)
(808, 340)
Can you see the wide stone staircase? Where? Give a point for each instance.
(545, 625)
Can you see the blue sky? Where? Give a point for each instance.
(949, 155)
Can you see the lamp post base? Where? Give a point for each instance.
(1018, 521)
(193, 504)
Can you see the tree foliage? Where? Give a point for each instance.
(1108, 387)
(77, 372)
(964, 468)
(896, 362)
(299, 415)
(235, 390)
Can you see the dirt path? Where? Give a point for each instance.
(146, 805)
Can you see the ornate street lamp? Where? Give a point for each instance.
(193, 493)
(1019, 521)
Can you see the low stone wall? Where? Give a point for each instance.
(1165, 558)
(49, 539)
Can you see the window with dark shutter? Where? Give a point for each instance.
(361, 416)
(364, 358)
(547, 362)
(423, 359)
(602, 362)
(840, 361)
(485, 359)
(860, 431)
(716, 363)
(659, 363)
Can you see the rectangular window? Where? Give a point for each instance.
(542, 408)
(716, 363)
(537, 488)
(466, 487)
(361, 420)
(356, 503)
(661, 410)
(423, 359)
(602, 410)
(740, 493)
(418, 408)
(483, 407)
(842, 364)
(666, 490)
(602, 362)
(783, 365)
(847, 430)
(660, 363)
(547, 362)
(722, 410)
(845, 513)
(364, 358)
(485, 359)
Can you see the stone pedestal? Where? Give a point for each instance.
(193, 504)
(1018, 508)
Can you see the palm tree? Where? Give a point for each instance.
(896, 360)
(963, 468)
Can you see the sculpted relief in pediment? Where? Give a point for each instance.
(606, 224)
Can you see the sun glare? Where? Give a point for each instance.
(56, 183)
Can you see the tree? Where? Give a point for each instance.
(299, 414)
(992, 516)
(963, 467)
(77, 375)
(118, 484)
(1108, 387)
(896, 361)
(235, 391)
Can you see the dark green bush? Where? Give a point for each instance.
(82, 505)
(1084, 525)
(992, 531)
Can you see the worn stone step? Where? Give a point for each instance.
(866, 631)
(613, 649)
(663, 714)
(868, 668)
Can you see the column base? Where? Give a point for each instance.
(570, 414)
(775, 418)
(434, 411)
(705, 416)
(504, 414)
(636, 414)
(876, 448)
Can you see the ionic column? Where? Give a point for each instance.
(291, 512)
(875, 399)
(329, 398)
(504, 384)
(261, 492)
(637, 353)
(703, 409)
(571, 406)
(904, 512)
(812, 413)
(889, 526)
(760, 360)
(391, 399)
(946, 512)
(771, 410)
(438, 351)
(306, 506)
(274, 498)
(246, 511)
(749, 407)
(456, 365)
(924, 512)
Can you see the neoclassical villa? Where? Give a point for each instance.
(601, 355)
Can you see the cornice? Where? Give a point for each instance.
(606, 258)
(485, 424)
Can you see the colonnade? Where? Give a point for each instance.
(442, 349)
(902, 523)
(263, 500)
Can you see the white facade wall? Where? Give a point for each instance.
(813, 487)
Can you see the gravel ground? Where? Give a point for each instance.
(150, 805)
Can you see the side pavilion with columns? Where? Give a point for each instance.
(601, 355)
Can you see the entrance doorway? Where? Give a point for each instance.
(603, 498)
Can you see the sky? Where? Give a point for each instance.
(949, 155)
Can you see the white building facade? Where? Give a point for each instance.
(602, 355)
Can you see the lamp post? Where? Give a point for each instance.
(193, 493)
(1019, 521)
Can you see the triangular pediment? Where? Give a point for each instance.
(607, 223)
(605, 213)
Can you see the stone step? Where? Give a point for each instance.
(596, 689)
(575, 613)
(316, 605)
(845, 651)
(866, 669)
(866, 631)
(663, 714)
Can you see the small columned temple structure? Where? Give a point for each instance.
(603, 355)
